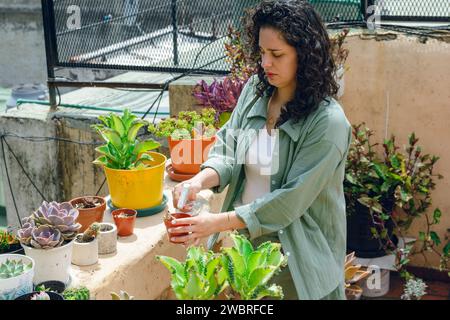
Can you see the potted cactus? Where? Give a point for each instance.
(85, 246)
(91, 209)
(47, 237)
(190, 136)
(200, 277)
(134, 173)
(77, 293)
(16, 275)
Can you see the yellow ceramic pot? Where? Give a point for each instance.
(137, 189)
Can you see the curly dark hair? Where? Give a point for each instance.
(303, 29)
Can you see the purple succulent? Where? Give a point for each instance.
(62, 216)
(46, 237)
(220, 95)
(25, 233)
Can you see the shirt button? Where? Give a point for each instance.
(280, 232)
(288, 253)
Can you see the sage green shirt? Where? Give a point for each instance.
(306, 205)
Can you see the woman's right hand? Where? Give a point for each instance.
(195, 188)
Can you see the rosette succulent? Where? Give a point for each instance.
(45, 237)
(61, 216)
(50, 226)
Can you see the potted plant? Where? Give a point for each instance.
(107, 238)
(204, 275)
(51, 285)
(353, 274)
(91, 209)
(222, 95)
(190, 135)
(339, 54)
(41, 295)
(200, 277)
(77, 293)
(385, 193)
(16, 275)
(134, 173)
(124, 220)
(47, 236)
(85, 246)
(9, 243)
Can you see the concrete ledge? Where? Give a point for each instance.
(133, 267)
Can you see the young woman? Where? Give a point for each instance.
(286, 113)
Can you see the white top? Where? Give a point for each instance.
(258, 165)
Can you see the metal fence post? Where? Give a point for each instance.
(175, 32)
(51, 53)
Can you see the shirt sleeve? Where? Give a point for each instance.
(221, 156)
(312, 169)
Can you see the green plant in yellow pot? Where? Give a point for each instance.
(135, 174)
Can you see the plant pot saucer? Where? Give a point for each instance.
(143, 212)
(176, 176)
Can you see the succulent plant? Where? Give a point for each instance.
(200, 277)
(187, 125)
(353, 274)
(13, 268)
(46, 237)
(122, 149)
(80, 293)
(41, 296)
(249, 270)
(122, 295)
(25, 234)
(61, 216)
(7, 239)
(414, 289)
(90, 233)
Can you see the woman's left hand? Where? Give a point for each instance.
(198, 227)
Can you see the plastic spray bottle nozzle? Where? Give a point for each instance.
(184, 195)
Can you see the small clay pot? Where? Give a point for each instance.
(124, 220)
(168, 224)
(88, 216)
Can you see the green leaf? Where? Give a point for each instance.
(175, 268)
(118, 125)
(133, 131)
(434, 236)
(194, 287)
(145, 146)
(260, 276)
(274, 291)
(101, 161)
(446, 249)
(421, 236)
(236, 259)
(437, 216)
(112, 137)
(254, 260)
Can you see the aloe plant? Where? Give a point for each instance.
(123, 150)
(13, 268)
(200, 277)
(249, 270)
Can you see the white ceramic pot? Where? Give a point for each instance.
(85, 254)
(377, 284)
(107, 238)
(51, 264)
(12, 288)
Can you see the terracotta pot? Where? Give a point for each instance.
(125, 224)
(168, 224)
(88, 216)
(188, 155)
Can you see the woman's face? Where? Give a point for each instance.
(278, 58)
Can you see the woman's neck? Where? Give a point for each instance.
(285, 94)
